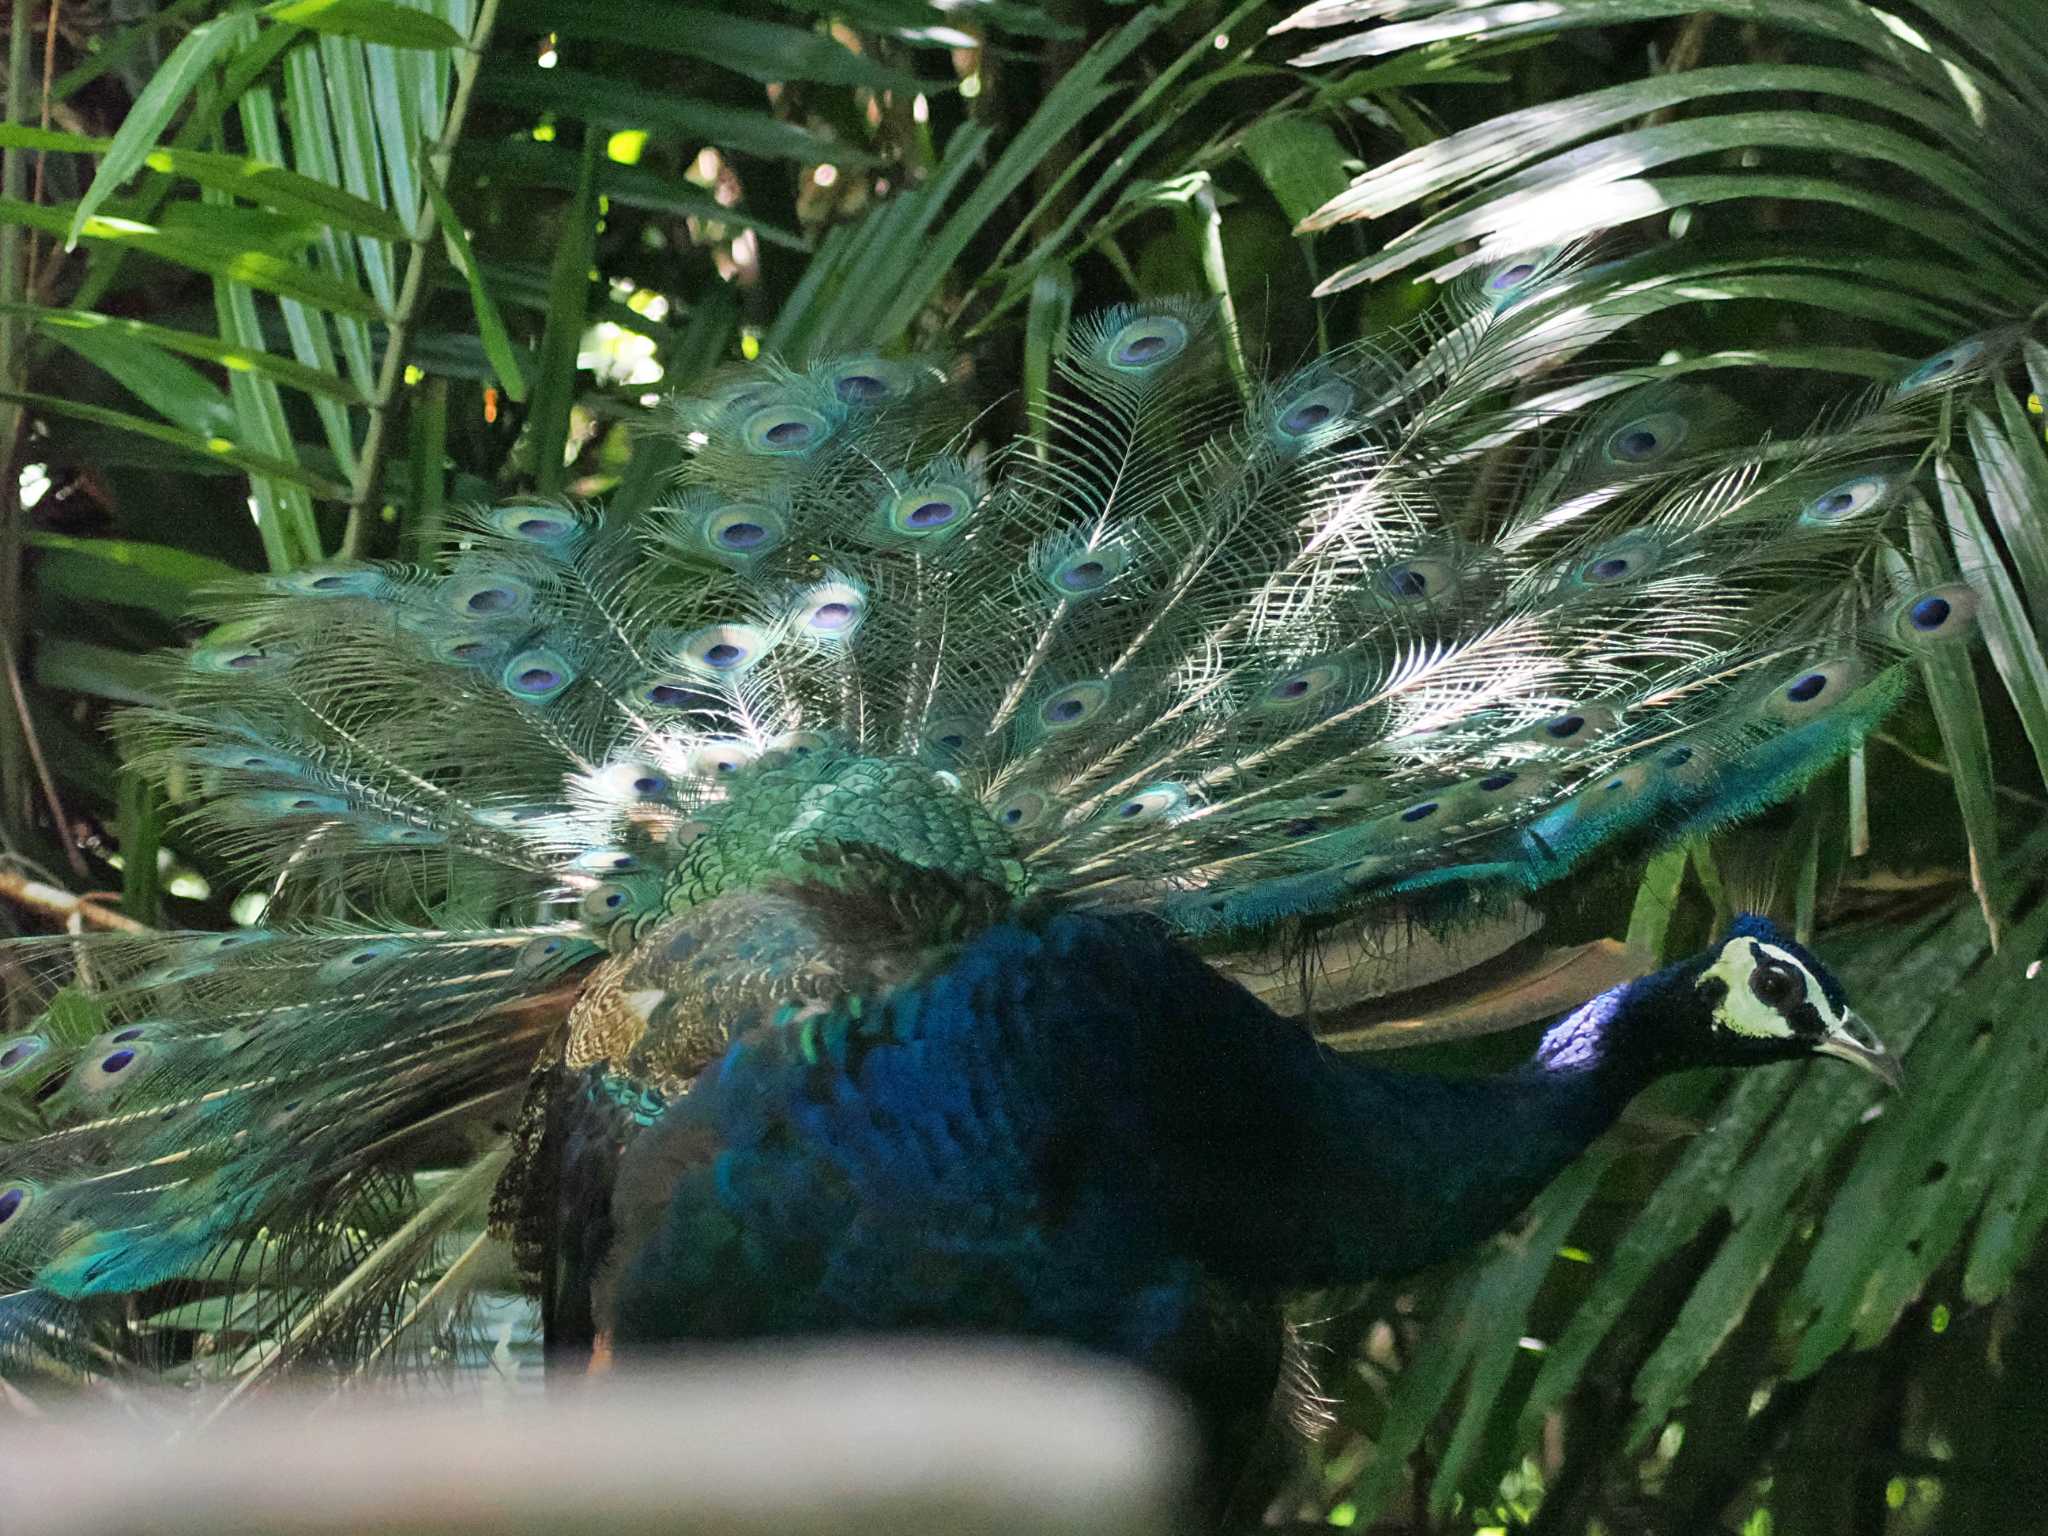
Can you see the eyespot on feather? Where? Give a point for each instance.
(949, 735)
(332, 581)
(476, 648)
(1647, 440)
(548, 527)
(107, 1065)
(928, 510)
(1812, 690)
(1496, 790)
(1621, 561)
(1418, 821)
(1508, 278)
(536, 676)
(675, 694)
(1313, 413)
(785, 431)
(214, 944)
(17, 1197)
(829, 613)
(801, 744)
(1075, 705)
(1155, 802)
(748, 387)
(1935, 616)
(402, 836)
(1685, 765)
(497, 596)
(237, 660)
(1569, 728)
(625, 782)
(1082, 573)
(609, 902)
(1965, 359)
(858, 386)
(605, 861)
(1306, 685)
(719, 758)
(551, 953)
(1021, 810)
(1617, 793)
(288, 803)
(1513, 277)
(245, 760)
(123, 1034)
(1849, 499)
(870, 381)
(197, 957)
(1417, 582)
(1623, 783)
(517, 816)
(740, 532)
(177, 973)
(725, 651)
(18, 1053)
(1146, 343)
(1344, 797)
(361, 962)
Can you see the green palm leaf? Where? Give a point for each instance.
(1930, 131)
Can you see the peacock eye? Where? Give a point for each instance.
(1775, 987)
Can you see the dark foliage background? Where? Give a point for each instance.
(284, 282)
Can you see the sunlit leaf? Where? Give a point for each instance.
(165, 383)
(369, 21)
(216, 449)
(62, 322)
(249, 179)
(191, 247)
(160, 101)
(745, 43)
(154, 576)
(574, 93)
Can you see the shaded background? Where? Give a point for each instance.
(336, 269)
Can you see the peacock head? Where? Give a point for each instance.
(1766, 998)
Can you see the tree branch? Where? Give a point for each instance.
(54, 902)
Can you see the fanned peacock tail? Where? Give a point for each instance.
(201, 1130)
(1420, 627)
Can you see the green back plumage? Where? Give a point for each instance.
(1389, 625)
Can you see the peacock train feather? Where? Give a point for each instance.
(855, 700)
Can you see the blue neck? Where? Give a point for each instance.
(1629, 1035)
(1355, 1172)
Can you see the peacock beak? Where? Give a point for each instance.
(1853, 1041)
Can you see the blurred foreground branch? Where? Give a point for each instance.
(902, 1439)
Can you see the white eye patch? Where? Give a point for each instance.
(1785, 1000)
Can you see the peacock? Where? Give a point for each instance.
(794, 902)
